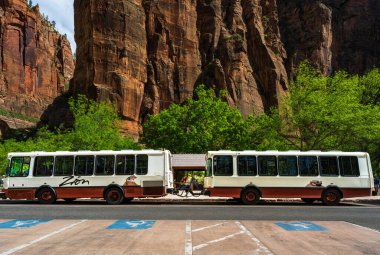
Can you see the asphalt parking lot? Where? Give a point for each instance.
(33, 236)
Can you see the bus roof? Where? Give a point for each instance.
(287, 153)
(84, 152)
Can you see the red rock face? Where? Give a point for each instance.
(145, 55)
(35, 61)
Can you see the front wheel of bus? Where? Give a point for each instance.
(46, 196)
(331, 197)
(114, 196)
(250, 197)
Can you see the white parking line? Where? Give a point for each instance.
(370, 229)
(188, 241)
(212, 226)
(216, 241)
(261, 248)
(41, 238)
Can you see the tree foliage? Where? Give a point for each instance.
(338, 112)
(207, 123)
(95, 128)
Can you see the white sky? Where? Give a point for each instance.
(62, 12)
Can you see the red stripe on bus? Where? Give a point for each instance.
(278, 192)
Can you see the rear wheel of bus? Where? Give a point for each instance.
(114, 196)
(250, 196)
(46, 196)
(331, 197)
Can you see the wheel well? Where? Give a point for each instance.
(335, 188)
(251, 187)
(44, 187)
(112, 186)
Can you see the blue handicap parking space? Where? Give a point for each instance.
(301, 226)
(132, 224)
(22, 223)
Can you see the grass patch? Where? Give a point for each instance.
(18, 116)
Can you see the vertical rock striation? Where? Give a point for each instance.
(145, 55)
(111, 55)
(35, 61)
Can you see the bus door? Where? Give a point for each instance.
(208, 179)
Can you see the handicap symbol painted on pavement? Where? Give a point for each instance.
(301, 226)
(22, 223)
(132, 224)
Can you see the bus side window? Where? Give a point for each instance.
(349, 166)
(125, 164)
(142, 164)
(104, 165)
(84, 165)
(247, 165)
(223, 166)
(19, 167)
(308, 165)
(287, 166)
(328, 166)
(43, 166)
(63, 165)
(267, 165)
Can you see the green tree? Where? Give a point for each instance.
(95, 128)
(327, 113)
(338, 112)
(207, 123)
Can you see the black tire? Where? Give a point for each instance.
(250, 196)
(308, 200)
(46, 196)
(114, 196)
(331, 197)
(69, 200)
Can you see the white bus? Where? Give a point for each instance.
(309, 175)
(112, 175)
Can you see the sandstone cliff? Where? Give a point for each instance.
(36, 62)
(144, 55)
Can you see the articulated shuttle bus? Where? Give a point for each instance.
(115, 176)
(309, 175)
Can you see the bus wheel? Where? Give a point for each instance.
(250, 196)
(46, 196)
(114, 196)
(308, 200)
(331, 197)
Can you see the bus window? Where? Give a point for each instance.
(84, 165)
(349, 166)
(247, 165)
(104, 165)
(63, 165)
(308, 165)
(223, 166)
(208, 168)
(287, 166)
(328, 166)
(142, 164)
(267, 166)
(19, 167)
(43, 166)
(125, 164)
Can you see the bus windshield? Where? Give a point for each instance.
(208, 168)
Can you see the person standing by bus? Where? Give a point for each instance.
(376, 182)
